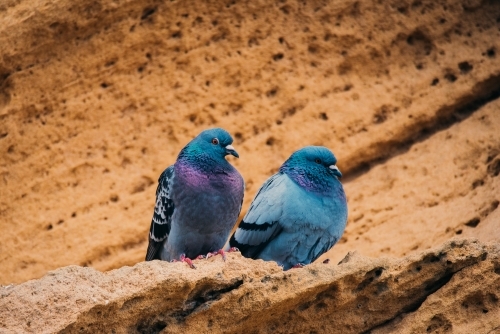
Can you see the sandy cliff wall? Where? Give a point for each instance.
(98, 96)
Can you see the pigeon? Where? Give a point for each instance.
(298, 214)
(198, 200)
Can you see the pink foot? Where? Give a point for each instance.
(200, 257)
(298, 265)
(183, 258)
(220, 251)
(233, 249)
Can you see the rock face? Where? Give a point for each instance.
(443, 186)
(97, 97)
(452, 288)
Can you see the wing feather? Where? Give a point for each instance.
(261, 223)
(162, 215)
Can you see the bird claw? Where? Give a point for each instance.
(220, 251)
(298, 265)
(233, 249)
(183, 258)
(200, 257)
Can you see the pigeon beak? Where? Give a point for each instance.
(230, 150)
(335, 171)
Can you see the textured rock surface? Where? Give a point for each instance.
(468, 303)
(97, 97)
(439, 290)
(443, 186)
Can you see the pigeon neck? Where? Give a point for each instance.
(202, 161)
(311, 180)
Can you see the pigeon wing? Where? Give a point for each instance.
(261, 223)
(162, 216)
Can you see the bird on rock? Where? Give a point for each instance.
(198, 200)
(298, 214)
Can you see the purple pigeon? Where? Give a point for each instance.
(198, 200)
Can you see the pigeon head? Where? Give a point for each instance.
(214, 143)
(313, 167)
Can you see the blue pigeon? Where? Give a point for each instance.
(298, 214)
(198, 200)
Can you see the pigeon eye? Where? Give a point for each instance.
(215, 141)
(318, 161)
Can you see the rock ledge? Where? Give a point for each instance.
(453, 287)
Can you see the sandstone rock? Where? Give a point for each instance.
(450, 288)
(468, 303)
(444, 186)
(97, 97)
